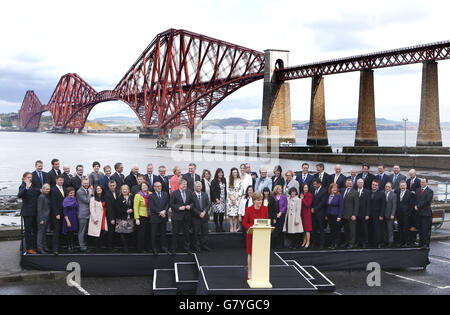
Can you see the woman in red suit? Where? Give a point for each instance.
(257, 211)
(307, 199)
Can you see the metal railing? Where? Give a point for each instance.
(446, 193)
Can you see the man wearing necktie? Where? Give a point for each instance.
(83, 196)
(162, 178)
(390, 213)
(423, 208)
(181, 204)
(353, 177)
(362, 228)
(200, 218)
(338, 178)
(382, 178)
(351, 209)
(57, 194)
(131, 180)
(396, 178)
(112, 207)
(55, 172)
(366, 176)
(159, 211)
(305, 177)
(191, 177)
(39, 177)
(405, 207)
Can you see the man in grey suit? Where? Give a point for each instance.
(397, 178)
(389, 214)
(351, 209)
(84, 195)
(200, 218)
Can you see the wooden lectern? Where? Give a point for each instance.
(261, 231)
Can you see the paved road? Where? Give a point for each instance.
(435, 280)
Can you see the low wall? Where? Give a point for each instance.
(418, 161)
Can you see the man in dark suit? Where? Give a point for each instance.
(351, 209)
(159, 203)
(322, 176)
(377, 209)
(338, 178)
(191, 177)
(389, 214)
(353, 176)
(67, 176)
(305, 178)
(413, 184)
(367, 177)
(149, 177)
(182, 204)
(104, 182)
(112, 207)
(118, 177)
(57, 195)
(39, 177)
(397, 178)
(131, 180)
(382, 177)
(405, 207)
(76, 180)
(424, 198)
(137, 188)
(29, 196)
(362, 230)
(54, 173)
(163, 179)
(319, 210)
(200, 218)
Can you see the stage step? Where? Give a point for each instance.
(186, 277)
(232, 280)
(317, 278)
(164, 282)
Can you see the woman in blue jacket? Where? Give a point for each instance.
(335, 211)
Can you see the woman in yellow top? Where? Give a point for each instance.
(141, 214)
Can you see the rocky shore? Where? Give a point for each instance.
(10, 203)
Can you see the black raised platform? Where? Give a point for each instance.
(358, 259)
(222, 270)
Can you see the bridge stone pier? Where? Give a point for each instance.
(430, 133)
(366, 132)
(317, 134)
(276, 112)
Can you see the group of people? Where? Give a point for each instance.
(108, 205)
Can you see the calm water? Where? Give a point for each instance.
(19, 151)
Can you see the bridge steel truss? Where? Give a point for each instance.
(384, 59)
(178, 79)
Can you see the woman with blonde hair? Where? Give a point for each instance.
(175, 180)
(43, 213)
(142, 217)
(277, 212)
(257, 211)
(124, 211)
(290, 182)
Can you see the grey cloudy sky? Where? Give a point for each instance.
(99, 40)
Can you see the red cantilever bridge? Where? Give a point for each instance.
(181, 76)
